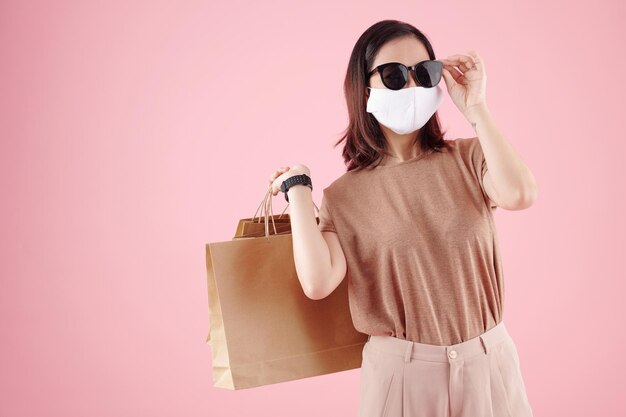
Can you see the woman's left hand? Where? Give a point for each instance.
(466, 80)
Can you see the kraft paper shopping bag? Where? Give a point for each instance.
(263, 328)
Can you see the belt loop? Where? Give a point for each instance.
(409, 350)
(485, 344)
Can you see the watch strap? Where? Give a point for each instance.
(295, 180)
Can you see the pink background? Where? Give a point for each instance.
(125, 125)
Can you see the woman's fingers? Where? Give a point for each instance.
(275, 175)
(459, 58)
(464, 62)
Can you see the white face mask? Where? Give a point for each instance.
(405, 110)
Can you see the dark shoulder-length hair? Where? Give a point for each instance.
(365, 143)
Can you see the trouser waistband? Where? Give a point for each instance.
(441, 353)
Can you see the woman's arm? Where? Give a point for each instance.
(508, 181)
(319, 259)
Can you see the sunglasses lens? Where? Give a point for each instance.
(394, 76)
(429, 73)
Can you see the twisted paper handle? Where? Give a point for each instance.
(266, 204)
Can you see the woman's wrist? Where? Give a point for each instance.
(476, 112)
(299, 191)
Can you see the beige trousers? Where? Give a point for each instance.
(480, 377)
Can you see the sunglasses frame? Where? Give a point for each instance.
(411, 69)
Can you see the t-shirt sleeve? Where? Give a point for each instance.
(480, 167)
(326, 223)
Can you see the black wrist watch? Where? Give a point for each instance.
(295, 180)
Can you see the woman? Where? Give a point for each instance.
(410, 224)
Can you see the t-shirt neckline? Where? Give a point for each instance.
(408, 161)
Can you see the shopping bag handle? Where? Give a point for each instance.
(266, 204)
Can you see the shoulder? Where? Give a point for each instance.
(464, 144)
(337, 184)
(466, 148)
(341, 187)
(461, 148)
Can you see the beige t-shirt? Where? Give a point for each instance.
(421, 246)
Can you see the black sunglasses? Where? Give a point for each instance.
(395, 75)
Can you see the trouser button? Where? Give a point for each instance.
(452, 354)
